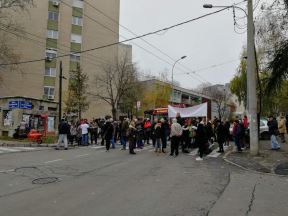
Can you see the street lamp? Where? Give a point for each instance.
(251, 75)
(172, 86)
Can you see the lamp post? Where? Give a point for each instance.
(251, 75)
(172, 84)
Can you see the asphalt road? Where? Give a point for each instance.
(89, 181)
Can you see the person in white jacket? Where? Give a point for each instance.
(175, 134)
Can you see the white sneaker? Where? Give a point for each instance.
(199, 159)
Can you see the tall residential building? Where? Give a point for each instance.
(52, 28)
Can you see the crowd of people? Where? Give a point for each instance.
(184, 134)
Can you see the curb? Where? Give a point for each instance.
(26, 145)
(247, 169)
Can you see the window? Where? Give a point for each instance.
(75, 57)
(78, 3)
(76, 38)
(49, 91)
(77, 21)
(52, 34)
(51, 53)
(50, 72)
(53, 16)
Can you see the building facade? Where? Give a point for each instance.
(181, 97)
(54, 28)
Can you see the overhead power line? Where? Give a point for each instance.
(133, 33)
(123, 41)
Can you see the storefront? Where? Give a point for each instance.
(27, 111)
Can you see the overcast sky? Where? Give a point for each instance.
(206, 42)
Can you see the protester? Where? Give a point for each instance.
(147, 130)
(108, 133)
(227, 133)
(84, 128)
(132, 133)
(237, 135)
(79, 134)
(158, 137)
(201, 138)
(164, 133)
(93, 129)
(124, 126)
(140, 133)
(186, 137)
(64, 130)
(175, 134)
(220, 131)
(273, 131)
(282, 128)
(152, 134)
(73, 133)
(210, 132)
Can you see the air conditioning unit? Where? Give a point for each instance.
(50, 97)
(55, 3)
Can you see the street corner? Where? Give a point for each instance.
(245, 161)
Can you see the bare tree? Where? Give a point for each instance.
(114, 83)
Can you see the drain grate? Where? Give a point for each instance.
(282, 169)
(46, 180)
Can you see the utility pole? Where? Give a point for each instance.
(251, 82)
(60, 91)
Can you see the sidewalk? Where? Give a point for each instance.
(24, 144)
(268, 161)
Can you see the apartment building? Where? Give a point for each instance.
(62, 29)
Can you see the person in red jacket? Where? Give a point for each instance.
(245, 122)
(147, 130)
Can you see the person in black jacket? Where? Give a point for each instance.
(273, 131)
(220, 131)
(108, 133)
(64, 130)
(201, 138)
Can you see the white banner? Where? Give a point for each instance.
(194, 111)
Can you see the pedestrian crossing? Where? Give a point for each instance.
(5, 150)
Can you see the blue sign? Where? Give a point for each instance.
(13, 104)
(20, 105)
(25, 105)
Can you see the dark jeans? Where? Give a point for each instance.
(175, 145)
(93, 136)
(108, 143)
(123, 141)
(237, 143)
(71, 139)
(164, 142)
(221, 149)
(132, 145)
(201, 149)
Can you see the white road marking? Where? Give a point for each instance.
(83, 155)
(53, 161)
(9, 149)
(214, 154)
(194, 152)
(5, 171)
(25, 148)
(97, 147)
